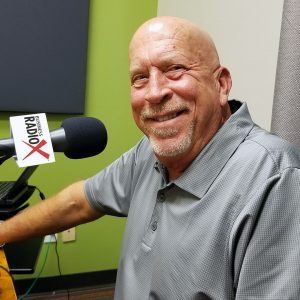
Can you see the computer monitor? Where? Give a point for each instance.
(43, 55)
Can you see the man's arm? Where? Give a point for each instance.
(65, 210)
(270, 267)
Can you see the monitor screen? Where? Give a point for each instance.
(43, 55)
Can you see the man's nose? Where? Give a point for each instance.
(158, 89)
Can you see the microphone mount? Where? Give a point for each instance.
(6, 150)
(4, 157)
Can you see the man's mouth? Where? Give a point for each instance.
(166, 117)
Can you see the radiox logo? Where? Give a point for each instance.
(34, 137)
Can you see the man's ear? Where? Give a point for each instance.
(224, 83)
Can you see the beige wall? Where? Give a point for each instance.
(247, 36)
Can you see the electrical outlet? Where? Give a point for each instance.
(50, 238)
(68, 235)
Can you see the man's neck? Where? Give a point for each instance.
(176, 165)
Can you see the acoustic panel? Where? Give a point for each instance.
(43, 45)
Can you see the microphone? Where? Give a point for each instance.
(78, 137)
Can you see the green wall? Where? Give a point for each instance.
(97, 244)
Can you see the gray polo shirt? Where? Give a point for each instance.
(228, 228)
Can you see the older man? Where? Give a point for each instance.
(211, 198)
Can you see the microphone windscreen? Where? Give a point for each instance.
(85, 137)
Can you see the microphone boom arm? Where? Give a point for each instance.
(6, 150)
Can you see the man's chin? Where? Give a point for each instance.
(170, 147)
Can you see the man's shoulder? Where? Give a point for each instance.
(142, 147)
(281, 152)
(141, 152)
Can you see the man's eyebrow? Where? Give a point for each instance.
(135, 69)
(166, 59)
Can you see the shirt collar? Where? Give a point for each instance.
(200, 175)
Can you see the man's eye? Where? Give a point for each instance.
(138, 80)
(177, 67)
(175, 71)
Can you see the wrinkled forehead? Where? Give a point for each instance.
(159, 53)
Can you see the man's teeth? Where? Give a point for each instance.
(166, 118)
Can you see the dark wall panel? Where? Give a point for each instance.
(43, 47)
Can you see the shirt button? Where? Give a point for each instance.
(161, 197)
(154, 225)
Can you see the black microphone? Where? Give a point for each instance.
(78, 137)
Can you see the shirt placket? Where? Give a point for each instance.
(149, 237)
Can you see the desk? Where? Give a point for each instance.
(7, 291)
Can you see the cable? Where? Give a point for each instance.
(42, 195)
(38, 276)
(58, 265)
(44, 263)
(57, 256)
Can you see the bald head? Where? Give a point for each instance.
(177, 29)
(179, 91)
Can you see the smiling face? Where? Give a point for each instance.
(178, 92)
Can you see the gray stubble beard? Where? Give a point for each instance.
(176, 148)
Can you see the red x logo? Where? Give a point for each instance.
(37, 148)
